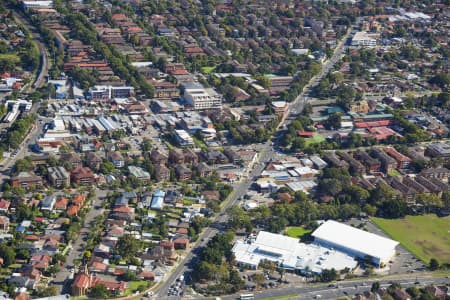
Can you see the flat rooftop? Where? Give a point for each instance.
(291, 254)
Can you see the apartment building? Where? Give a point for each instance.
(199, 97)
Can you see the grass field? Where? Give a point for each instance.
(297, 231)
(316, 138)
(426, 236)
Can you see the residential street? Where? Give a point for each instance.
(266, 153)
(77, 249)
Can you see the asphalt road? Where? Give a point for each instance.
(44, 66)
(184, 267)
(266, 153)
(23, 150)
(7, 163)
(62, 278)
(340, 289)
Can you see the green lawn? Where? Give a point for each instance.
(316, 138)
(207, 70)
(394, 173)
(426, 236)
(297, 231)
(133, 285)
(188, 202)
(11, 57)
(199, 143)
(169, 145)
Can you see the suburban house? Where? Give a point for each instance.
(4, 224)
(48, 202)
(4, 206)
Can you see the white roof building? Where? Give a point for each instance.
(355, 242)
(199, 97)
(289, 253)
(183, 138)
(362, 38)
(303, 185)
(37, 4)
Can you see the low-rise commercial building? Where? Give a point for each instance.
(355, 242)
(290, 254)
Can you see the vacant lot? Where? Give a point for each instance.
(297, 232)
(424, 236)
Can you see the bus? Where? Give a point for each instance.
(246, 296)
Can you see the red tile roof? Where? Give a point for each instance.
(81, 281)
(380, 123)
(73, 210)
(4, 204)
(305, 133)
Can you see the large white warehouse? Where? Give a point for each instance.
(290, 254)
(355, 242)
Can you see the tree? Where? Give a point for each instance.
(333, 121)
(345, 95)
(330, 186)
(127, 246)
(46, 291)
(328, 275)
(369, 209)
(434, 264)
(258, 278)
(8, 254)
(99, 291)
(413, 291)
(24, 165)
(129, 276)
(24, 212)
(23, 254)
(375, 287)
(106, 167)
(358, 193)
(429, 200)
(267, 265)
(395, 208)
(239, 219)
(446, 198)
(442, 80)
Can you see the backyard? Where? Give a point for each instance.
(315, 139)
(426, 236)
